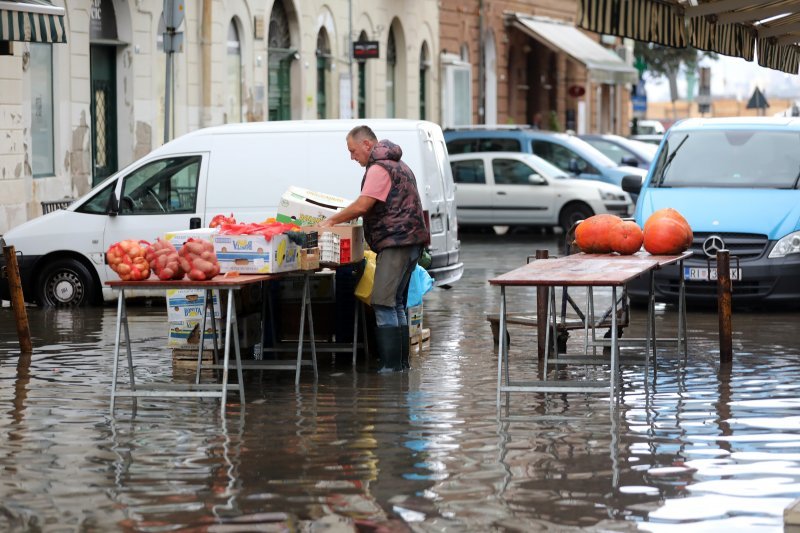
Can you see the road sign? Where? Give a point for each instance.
(174, 10)
(758, 100)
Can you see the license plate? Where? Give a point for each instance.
(708, 274)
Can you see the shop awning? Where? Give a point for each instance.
(604, 66)
(735, 28)
(35, 21)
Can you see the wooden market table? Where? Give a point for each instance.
(583, 270)
(231, 285)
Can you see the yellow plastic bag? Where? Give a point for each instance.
(364, 287)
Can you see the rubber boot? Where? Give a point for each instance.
(387, 342)
(405, 346)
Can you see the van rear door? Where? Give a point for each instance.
(444, 224)
(161, 195)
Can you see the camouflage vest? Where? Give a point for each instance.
(399, 220)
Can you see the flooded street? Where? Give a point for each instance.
(426, 450)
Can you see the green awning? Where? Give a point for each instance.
(35, 21)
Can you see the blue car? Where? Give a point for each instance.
(569, 153)
(736, 182)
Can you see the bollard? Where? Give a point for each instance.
(17, 301)
(541, 312)
(724, 306)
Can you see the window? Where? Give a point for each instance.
(323, 64)
(469, 171)
(511, 172)
(98, 204)
(162, 187)
(234, 61)
(457, 80)
(362, 82)
(483, 144)
(562, 157)
(424, 65)
(41, 69)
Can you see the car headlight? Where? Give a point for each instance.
(787, 245)
(608, 196)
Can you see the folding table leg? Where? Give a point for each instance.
(114, 370)
(307, 296)
(614, 346)
(364, 328)
(206, 299)
(549, 338)
(127, 331)
(230, 329)
(682, 325)
(355, 331)
(501, 344)
(237, 355)
(300, 334)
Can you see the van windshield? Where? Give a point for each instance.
(761, 159)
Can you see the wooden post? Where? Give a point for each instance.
(724, 306)
(17, 301)
(541, 312)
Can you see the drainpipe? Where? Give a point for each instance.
(205, 54)
(481, 68)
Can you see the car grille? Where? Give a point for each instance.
(704, 289)
(742, 245)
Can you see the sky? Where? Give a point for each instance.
(733, 77)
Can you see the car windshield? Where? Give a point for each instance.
(595, 156)
(643, 149)
(730, 158)
(545, 168)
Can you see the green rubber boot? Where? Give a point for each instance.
(405, 346)
(388, 347)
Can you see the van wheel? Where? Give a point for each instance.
(572, 213)
(65, 283)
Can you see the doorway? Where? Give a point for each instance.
(103, 60)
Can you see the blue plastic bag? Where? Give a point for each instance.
(420, 283)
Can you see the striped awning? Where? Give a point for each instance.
(768, 29)
(35, 21)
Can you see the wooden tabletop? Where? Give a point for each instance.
(586, 270)
(218, 282)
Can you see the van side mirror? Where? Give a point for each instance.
(629, 161)
(632, 184)
(536, 179)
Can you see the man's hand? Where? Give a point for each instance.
(327, 223)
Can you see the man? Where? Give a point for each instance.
(395, 229)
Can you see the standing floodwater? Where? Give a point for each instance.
(697, 448)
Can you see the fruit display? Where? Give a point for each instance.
(666, 232)
(164, 260)
(593, 235)
(127, 259)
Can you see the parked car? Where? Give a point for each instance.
(238, 168)
(624, 151)
(567, 152)
(736, 182)
(514, 189)
(655, 138)
(650, 127)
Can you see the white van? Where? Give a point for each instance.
(239, 168)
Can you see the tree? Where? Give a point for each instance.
(667, 61)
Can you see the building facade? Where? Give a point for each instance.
(73, 114)
(524, 62)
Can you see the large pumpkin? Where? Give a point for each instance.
(627, 238)
(669, 212)
(666, 236)
(593, 235)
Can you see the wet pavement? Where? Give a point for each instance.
(428, 450)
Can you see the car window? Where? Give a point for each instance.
(461, 146)
(98, 204)
(561, 156)
(731, 158)
(483, 144)
(468, 171)
(610, 150)
(511, 172)
(163, 186)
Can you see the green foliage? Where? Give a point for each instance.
(554, 124)
(667, 61)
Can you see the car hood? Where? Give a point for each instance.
(771, 212)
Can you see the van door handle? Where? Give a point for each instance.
(194, 223)
(502, 193)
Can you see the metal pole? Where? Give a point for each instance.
(724, 306)
(350, 56)
(167, 88)
(541, 312)
(17, 300)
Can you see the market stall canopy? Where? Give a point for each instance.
(729, 27)
(604, 66)
(36, 21)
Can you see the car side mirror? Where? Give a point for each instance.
(536, 179)
(632, 184)
(112, 209)
(629, 161)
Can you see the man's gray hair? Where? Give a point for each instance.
(359, 133)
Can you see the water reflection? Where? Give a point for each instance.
(699, 446)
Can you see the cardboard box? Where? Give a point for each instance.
(309, 258)
(188, 304)
(177, 238)
(414, 320)
(306, 208)
(254, 254)
(186, 334)
(351, 241)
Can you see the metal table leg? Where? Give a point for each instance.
(501, 347)
(614, 346)
(356, 305)
(307, 296)
(230, 329)
(114, 371)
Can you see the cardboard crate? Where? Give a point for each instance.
(178, 238)
(188, 304)
(351, 241)
(414, 320)
(306, 208)
(186, 334)
(254, 254)
(309, 258)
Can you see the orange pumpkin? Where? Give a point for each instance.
(666, 236)
(627, 238)
(593, 235)
(669, 212)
